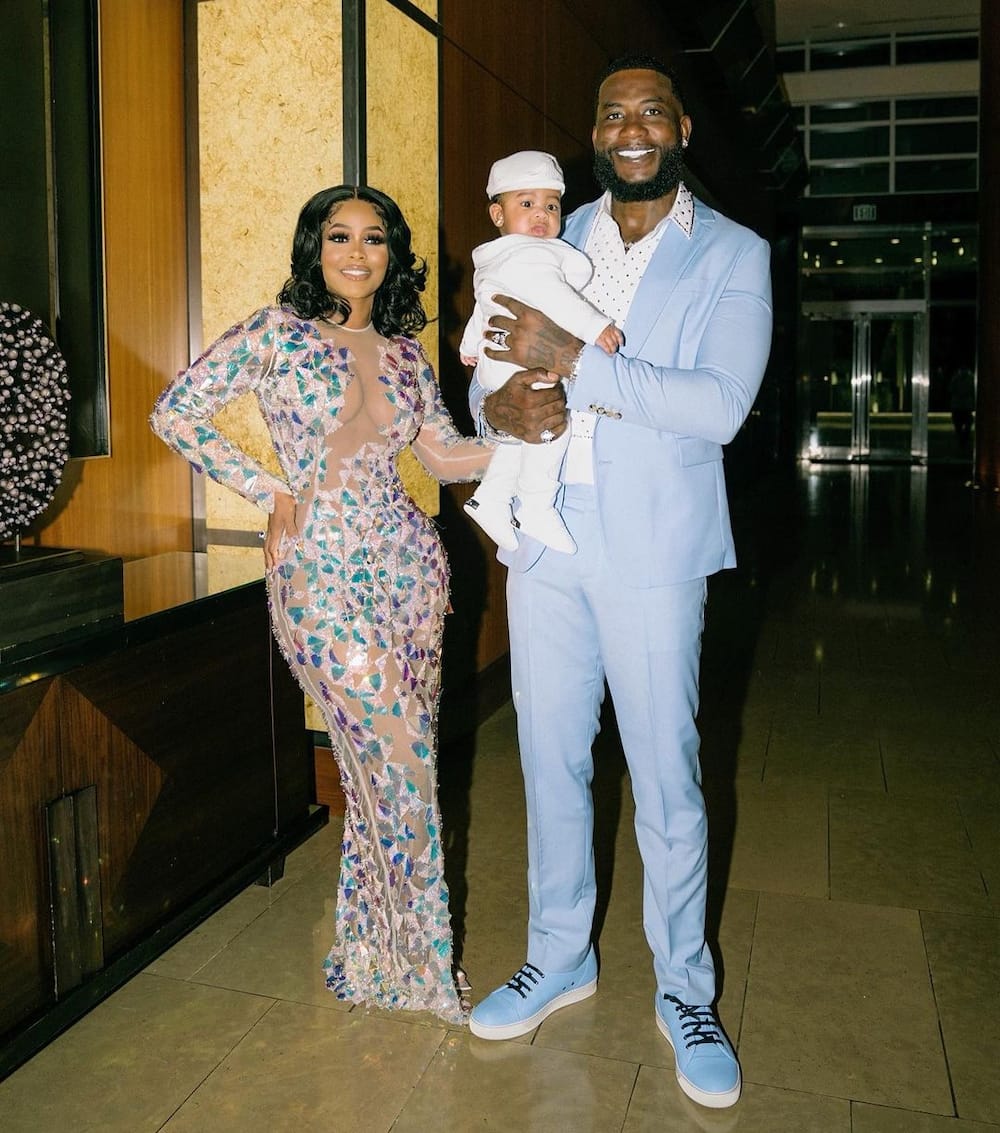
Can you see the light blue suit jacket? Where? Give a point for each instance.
(697, 339)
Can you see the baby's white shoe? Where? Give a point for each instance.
(545, 524)
(494, 517)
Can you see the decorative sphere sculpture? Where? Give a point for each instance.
(34, 418)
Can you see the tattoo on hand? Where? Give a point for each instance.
(542, 352)
(553, 349)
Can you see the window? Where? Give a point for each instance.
(942, 137)
(840, 112)
(848, 179)
(936, 176)
(922, 144)
(886, 51)
(948, 107)
(791, 60)
(850, 141)
(851, 53)
(889, 263)
(937, 49)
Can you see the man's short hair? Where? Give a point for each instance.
(640, 63)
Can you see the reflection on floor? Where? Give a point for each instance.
(851, 724)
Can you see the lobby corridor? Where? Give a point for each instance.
(851, 754)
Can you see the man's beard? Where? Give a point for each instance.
(663, 181)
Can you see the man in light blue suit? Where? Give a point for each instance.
(645, 501)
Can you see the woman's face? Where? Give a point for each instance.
(355, 256)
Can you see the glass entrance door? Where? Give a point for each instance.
(864, 381)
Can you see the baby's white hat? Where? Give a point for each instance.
(528, 169)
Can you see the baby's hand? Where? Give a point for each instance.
(468, 359)
(610, 339)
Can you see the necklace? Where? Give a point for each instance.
(341, 326)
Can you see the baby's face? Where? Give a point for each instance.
(528, 212)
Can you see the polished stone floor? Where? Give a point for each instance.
(851, 747)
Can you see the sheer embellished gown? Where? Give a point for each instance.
(357, 604)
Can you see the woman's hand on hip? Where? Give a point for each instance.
(280, 522)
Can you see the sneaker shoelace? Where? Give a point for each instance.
(698, 1024)
(526, 978)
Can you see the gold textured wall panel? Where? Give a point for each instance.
(233, 566)
(270, 135)
(269, 121)
(402, 72)
(403, 147)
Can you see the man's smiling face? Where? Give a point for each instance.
(638, 136)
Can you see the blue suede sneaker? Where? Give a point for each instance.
(707, 1070)
(530, 996)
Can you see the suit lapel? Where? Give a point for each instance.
(578, 225)
(671, 259)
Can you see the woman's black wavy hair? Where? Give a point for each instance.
(397, 308)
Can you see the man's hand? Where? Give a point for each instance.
(524, 411)
(532, 340)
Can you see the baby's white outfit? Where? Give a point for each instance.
(546, 274)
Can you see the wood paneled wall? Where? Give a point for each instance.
(137, 501)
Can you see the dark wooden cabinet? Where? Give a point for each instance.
(147, 773)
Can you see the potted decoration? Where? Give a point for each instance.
(34, 420)
(45, 592)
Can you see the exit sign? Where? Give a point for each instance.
(865, 212)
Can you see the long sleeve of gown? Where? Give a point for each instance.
(446, 454)
(237, 363)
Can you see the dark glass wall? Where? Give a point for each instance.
(51, 258)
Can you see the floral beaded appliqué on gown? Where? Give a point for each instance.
(357, 604)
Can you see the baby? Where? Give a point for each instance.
(529, 262)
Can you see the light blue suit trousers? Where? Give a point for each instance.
(573, 625)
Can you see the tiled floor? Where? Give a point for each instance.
(851, 707)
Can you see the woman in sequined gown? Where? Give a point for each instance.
(357, 579)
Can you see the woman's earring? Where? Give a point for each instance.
(684, 143)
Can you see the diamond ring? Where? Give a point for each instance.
(500, 337)
(547, 436)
